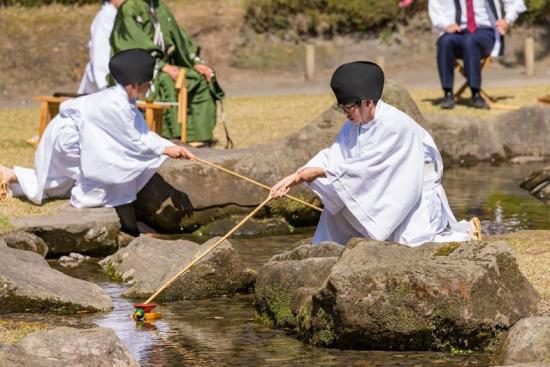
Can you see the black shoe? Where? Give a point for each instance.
(478, 102)
(448, 102)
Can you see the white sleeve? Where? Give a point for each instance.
(512, 9)
(100, 49)
(147, 139)
(441, 14)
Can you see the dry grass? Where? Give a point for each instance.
(428, 100)
(258, 120)
(13, 331)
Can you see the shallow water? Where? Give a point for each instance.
(222, 331)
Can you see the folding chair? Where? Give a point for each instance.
(485, 62)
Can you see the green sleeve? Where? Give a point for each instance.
(129, 33)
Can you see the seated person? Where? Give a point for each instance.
(471, 30)
(381, 179)
(98, 149)
(150, 25)
(97, 69)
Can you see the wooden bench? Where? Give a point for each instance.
(49, 108)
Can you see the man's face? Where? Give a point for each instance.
(359, 112)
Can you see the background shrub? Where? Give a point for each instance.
(331, 17)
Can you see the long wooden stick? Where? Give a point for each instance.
(303, 202)
(169, 282)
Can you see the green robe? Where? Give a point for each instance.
(134, 28)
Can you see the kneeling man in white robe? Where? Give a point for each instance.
(98, 149)
(381, 179)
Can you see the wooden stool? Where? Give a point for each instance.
(460, 67)
(49, 108)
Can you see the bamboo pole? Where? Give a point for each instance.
(303, 202)
(173, 279)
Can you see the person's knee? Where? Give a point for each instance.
(446, 41)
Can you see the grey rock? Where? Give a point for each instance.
(66, 346)
(524, 132)
(528, 341)
(92, 231)
(76, 256)
(252, 227)
(522, 159)
(387, 296)
(28, 284)
(147, 263)
(287, 281)
(22, 240)
(538, 184)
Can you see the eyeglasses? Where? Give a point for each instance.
(346, 108)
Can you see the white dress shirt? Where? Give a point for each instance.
(442, 14)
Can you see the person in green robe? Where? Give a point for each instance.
(150, 25)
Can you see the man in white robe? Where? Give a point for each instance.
(381, 179)
(97, 69)
(98, 149)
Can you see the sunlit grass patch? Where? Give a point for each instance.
(264, 119)
(507, 98)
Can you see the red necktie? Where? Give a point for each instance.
(470, 17)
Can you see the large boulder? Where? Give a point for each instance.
(28, 284)
(381, 295)
(66, 346)
(523, 132)
(288, 280)
(92, 231)
(147, 263)
(22, 240)
(265, 163)
(527, 341)
(538, 184)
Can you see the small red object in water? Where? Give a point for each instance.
(146, 307)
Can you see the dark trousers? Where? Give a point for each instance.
(128, 220)
(470, 47)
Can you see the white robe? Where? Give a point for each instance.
(95, 74)
(98, 149)
(384, 182)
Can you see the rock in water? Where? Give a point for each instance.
(22, 240)
(288, 281)
(387, 296)
(28, 284)
(527, 341)
(538, 184)
(147, 263)
(66, 346)
(91, 231)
